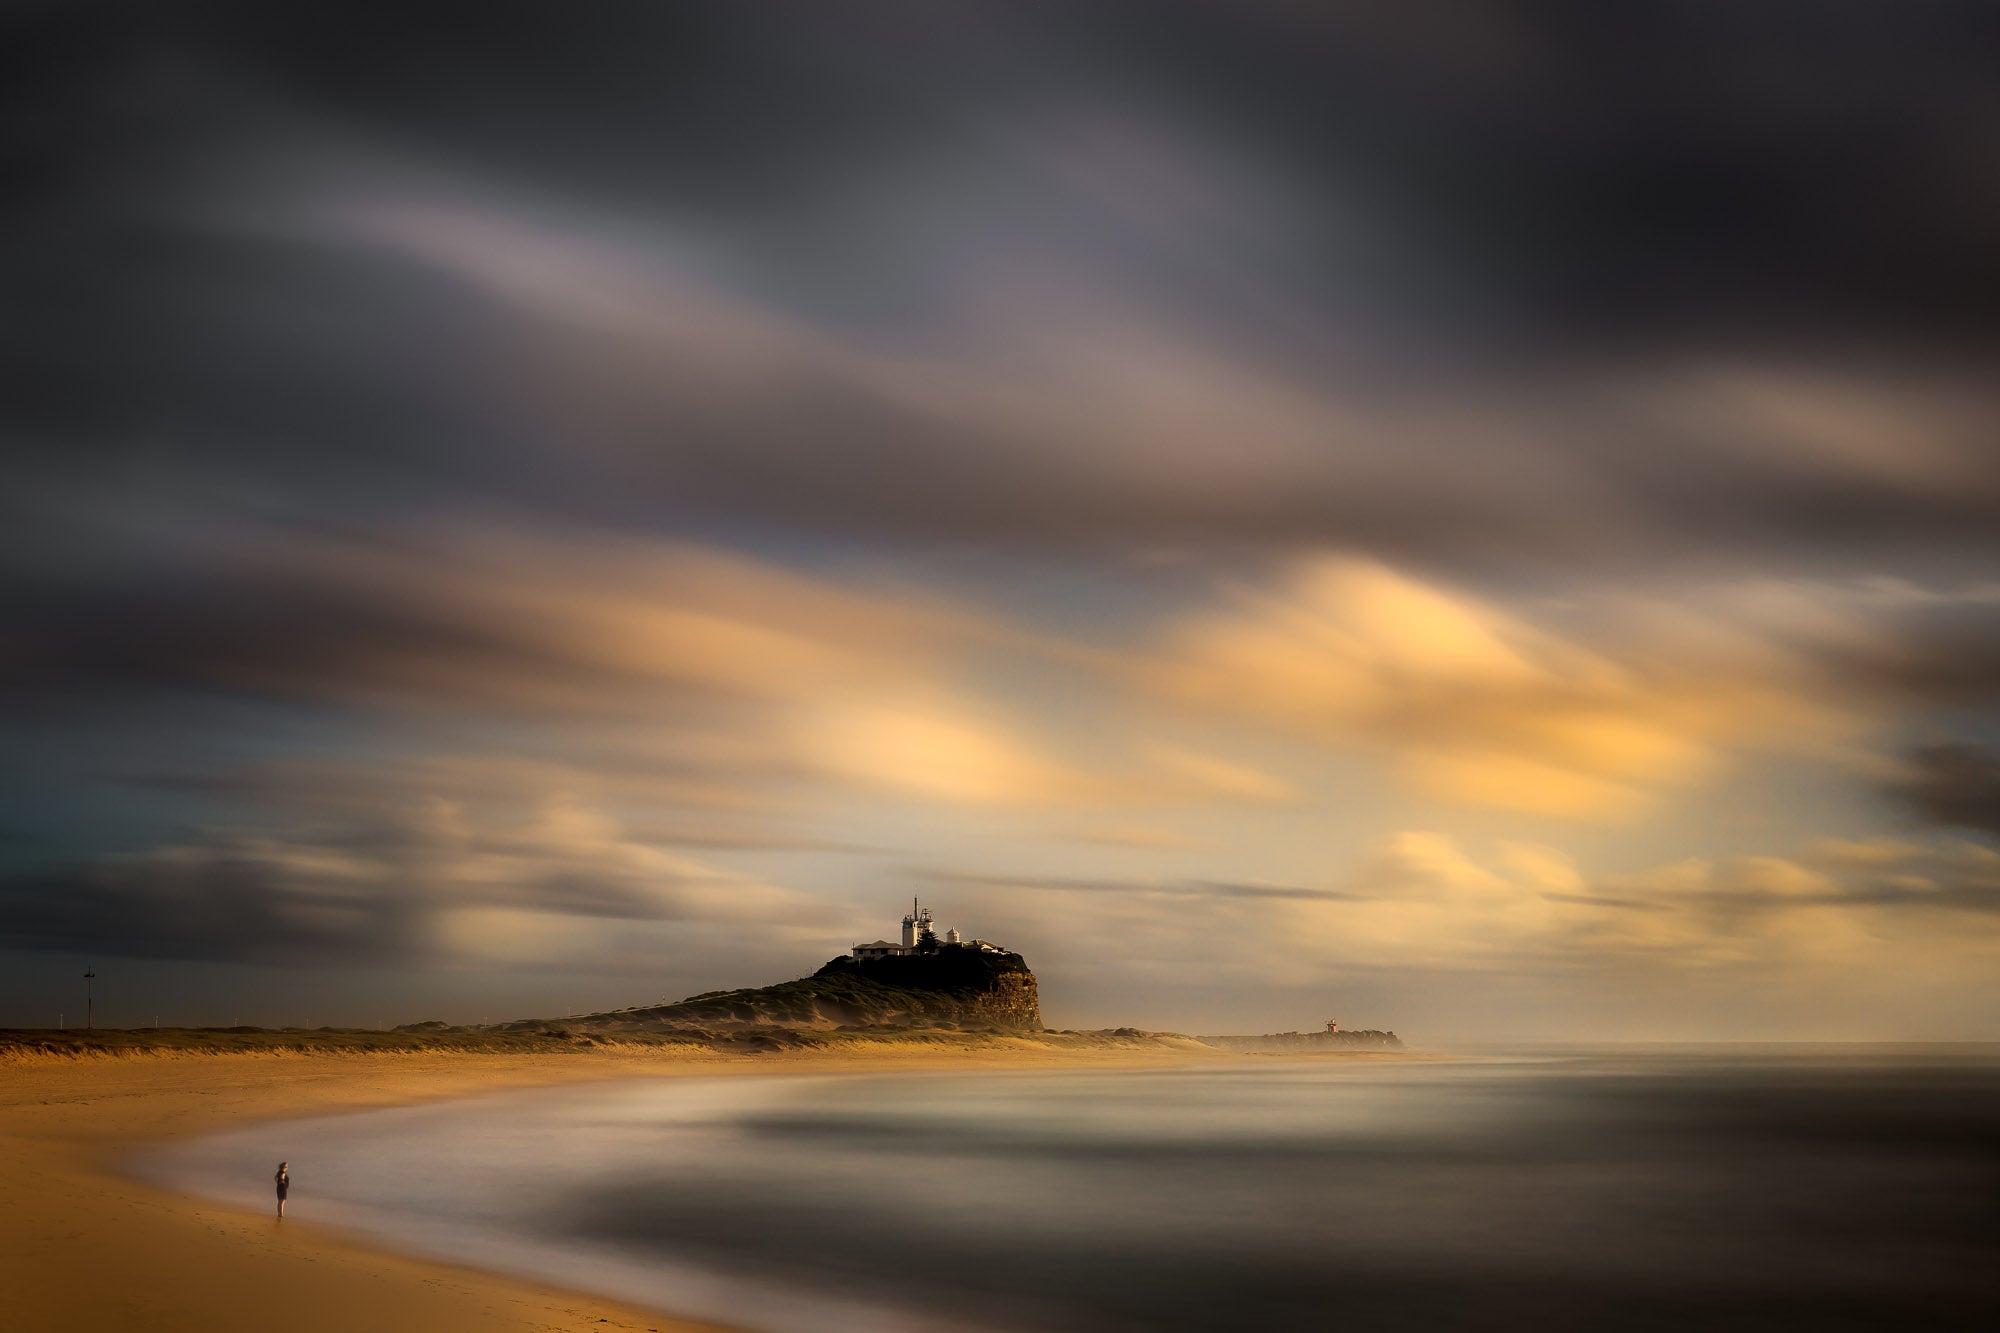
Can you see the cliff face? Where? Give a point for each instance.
(1014, 1001)
(966, 987)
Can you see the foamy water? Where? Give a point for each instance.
(1772, 1189)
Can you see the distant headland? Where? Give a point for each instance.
(1332, 1037)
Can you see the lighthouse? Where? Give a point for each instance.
(917, 928)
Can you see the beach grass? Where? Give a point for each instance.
(559, 1037)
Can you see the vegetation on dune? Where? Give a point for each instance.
(433, 1039)
(570, 1036)
(951, 999)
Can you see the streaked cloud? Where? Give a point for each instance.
(1474, 703)
(524, 503)
(1957, 786)
(1779, 937)
(435, 882)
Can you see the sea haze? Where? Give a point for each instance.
(1796, 1188)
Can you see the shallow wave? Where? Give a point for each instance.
(1824, 1190)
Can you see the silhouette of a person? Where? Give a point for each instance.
(283, 1180)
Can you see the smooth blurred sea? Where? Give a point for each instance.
(1766, 1188)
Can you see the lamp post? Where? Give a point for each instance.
(89, 976)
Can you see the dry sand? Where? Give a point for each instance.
(84, 1249)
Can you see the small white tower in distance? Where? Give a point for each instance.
(910, 926)
(951, 936)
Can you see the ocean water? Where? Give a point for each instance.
(1766, 1189)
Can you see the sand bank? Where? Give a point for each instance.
(84, 1249)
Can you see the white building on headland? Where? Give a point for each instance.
(920, 936)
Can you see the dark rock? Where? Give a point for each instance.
(951, 984)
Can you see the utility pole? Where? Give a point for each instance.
(88, 976)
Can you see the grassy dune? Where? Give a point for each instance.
(570, 1036)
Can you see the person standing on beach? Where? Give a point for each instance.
(284, 1182)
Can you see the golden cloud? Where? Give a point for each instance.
(1475, 704)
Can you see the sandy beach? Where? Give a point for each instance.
(83, 1248)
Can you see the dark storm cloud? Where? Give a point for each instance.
(417, 882)
(1546, 279)
(214, 908)
(1928, 647)
(1955, 786)
(1944, 651)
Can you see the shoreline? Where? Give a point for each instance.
(97, 1249)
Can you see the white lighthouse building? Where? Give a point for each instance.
(920, 936)
(917, 926)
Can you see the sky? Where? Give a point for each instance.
(1475, 519)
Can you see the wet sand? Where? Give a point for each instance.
(83, 1248)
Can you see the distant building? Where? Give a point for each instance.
(920, 936)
